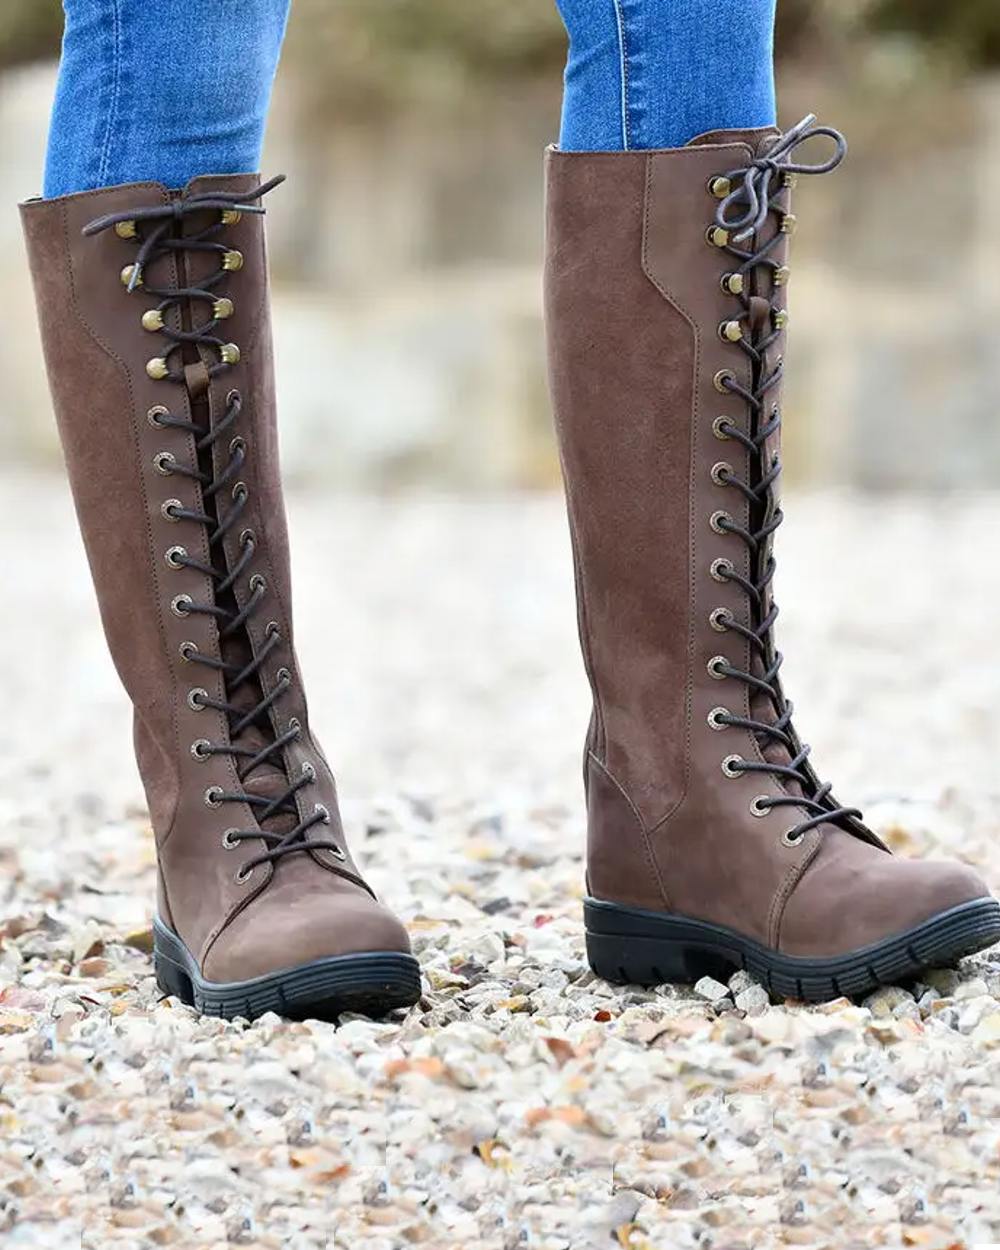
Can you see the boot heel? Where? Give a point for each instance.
(630, 946)
(171, 976)
(630, 960)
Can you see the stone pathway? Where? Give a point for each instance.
(523, 1103)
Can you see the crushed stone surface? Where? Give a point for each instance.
(523, 1103)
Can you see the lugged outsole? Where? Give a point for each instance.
(369, 983)
(632, 946)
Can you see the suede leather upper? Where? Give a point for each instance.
(96, 352)
(633, 302)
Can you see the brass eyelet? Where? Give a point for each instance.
(730, 331)
(715, 236)
(716, 665)
(781, 275)
(230, 216)
(175, 556)
(195, 699)
(230, 840)
(200, 749)
(126, 277)
(721, 472)
(716, 521)
(229, 354)
(154, 414)
(791, 838)
(780, 318)
(722, 378)
(223, 308)
(213, 796)
(126, 229)
(232, 260)
(152, 320)
(169, 508)
(760, 805)
(180, 605)
(157, 368)
(732, 283)
(790, 179)
(720, 426)
(719, 619)
(719, 186)
(732, 766)
(789, 223)
(722, 569)
(715, 718)
(164, 461)
(187, 651)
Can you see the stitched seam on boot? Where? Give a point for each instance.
(153, 583)
(583, 629)
(217, 930)
(643, 836)
(791, 879)
(679, 308)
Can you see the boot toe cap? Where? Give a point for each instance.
(265, 938)
(854, 895)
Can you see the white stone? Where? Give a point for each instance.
(754, 1000)
(711, 990)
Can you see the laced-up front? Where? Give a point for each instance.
(158, 233)
(753, 212)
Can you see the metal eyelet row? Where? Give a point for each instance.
(730, 330)
(165, 463)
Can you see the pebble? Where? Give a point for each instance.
(711, 990)
(741, 980)
(753, 1000)
(885, 1001)
(525, 1102)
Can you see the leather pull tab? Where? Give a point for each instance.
(196, 379)
(760, 314)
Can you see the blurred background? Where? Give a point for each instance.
(406, 243)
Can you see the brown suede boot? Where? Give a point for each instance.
(169, 433)
(712, 843)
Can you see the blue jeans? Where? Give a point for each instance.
(655, 73)
(162, 90)
(170, 89)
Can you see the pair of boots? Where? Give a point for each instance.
(712, 843)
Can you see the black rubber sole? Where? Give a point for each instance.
(370, 984)
(631, 946)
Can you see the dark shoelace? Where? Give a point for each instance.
(158, 232)
(747, 204)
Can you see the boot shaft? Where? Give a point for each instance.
(127, 469)
(636, 300)
(666, 328)
(162, 382)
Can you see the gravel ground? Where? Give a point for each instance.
(523, 1103)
